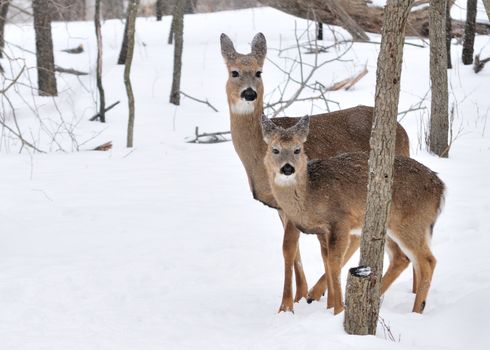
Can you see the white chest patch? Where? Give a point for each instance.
(284, 180)
(243, 107)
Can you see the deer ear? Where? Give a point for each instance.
(259, 47)
(268, 128)
(302, 128)
(227, 48)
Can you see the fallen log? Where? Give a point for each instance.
(69, 71)
(97, 116)
(369, 18)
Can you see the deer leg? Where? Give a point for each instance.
(414, 281)
(299, 274)
(424, 265)
(398, 262)
(326, 277)
(338, 241)
(289, 250)
(321, 285)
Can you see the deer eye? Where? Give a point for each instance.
(297, 151)
(234, 74)
(275, 151)
(258, 74)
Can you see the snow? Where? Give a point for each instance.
(162, 246)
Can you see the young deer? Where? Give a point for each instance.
(328, 198)
(331, 134)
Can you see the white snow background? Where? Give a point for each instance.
(162, 246)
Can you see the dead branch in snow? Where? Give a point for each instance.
(211, 137)
(346, 84)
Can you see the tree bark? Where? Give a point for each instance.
(44, 49)
(380, 179)
(112, 9)
(172, 31)
(178, 48)
(100, 87)
(469, 32)
(159, 9)
(438, 133)
(124, 46)
(131, 24)
(4, 8)
(449, 34)
(319, 30)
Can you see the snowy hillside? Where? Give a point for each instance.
(162, 246)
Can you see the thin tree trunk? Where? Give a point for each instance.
(124, 46)
(100, 87)
(319, 31)
(171, 32)
(4, 8)
(438, 138)
(44, 49)
(361, 317)
(178, 47)
(131, 23)
(159, 9)
(449, 33)
(469, 32)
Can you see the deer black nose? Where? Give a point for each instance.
(287, 169)
(249, 94)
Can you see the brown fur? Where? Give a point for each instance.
(328, 198)
(331, 134)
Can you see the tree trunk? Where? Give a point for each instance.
(124, 46)
(67, 10)
(112, 9)
(131, 24)
(319, 31)
(4, 8)
(178, 47)
(171, 32)
(438, 138)
(159, 9)
(469, 32)
(380, 180)
(449, 34)
(44, 49)
(100, 87)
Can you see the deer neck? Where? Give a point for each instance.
(246, 134)
(291, 196)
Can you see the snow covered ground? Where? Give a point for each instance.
(162, 246)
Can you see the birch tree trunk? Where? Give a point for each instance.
(363, 289)
(438, 131)
(46, 78)
(100, 87)
(131, 24)
(178, 48)
(469, 32)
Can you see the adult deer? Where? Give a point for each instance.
(331, 134)
(328, 198)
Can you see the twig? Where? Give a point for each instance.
(24, 141)
(69, 71)
(206, 102)
(95, 117)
